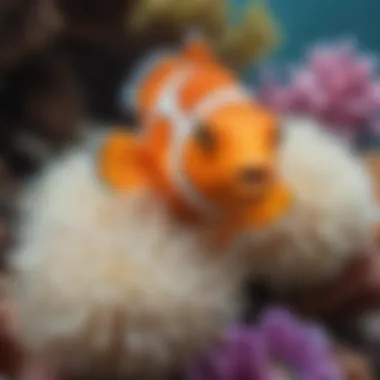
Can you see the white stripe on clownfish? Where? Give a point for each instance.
(183, 125)
(178, 173)
(219, 98)
(166, 106)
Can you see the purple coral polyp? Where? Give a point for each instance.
(336, 84)
(279, 347)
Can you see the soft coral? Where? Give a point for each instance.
(336, 84)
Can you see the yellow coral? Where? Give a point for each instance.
(238, 46)
(256, 36)
(179, 14)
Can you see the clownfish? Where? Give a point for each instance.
(203, 144)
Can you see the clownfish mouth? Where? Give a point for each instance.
(253, 182)
(254, 176)
(275, 203)
(267, 193)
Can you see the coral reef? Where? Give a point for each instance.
(62, 62)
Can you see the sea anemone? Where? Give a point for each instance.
(336, 84)
(332, 217)
(106, 284)
(278, 347)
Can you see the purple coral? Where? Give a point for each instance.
(279, 347)
(336, 85)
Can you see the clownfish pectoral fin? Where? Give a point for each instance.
(117, 162)
(197, 47)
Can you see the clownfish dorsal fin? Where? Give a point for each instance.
(198, 48)
(135, 79)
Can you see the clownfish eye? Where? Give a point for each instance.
(205, 138)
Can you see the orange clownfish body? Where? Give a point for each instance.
(204, 145)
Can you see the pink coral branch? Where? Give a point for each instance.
(336, 84)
